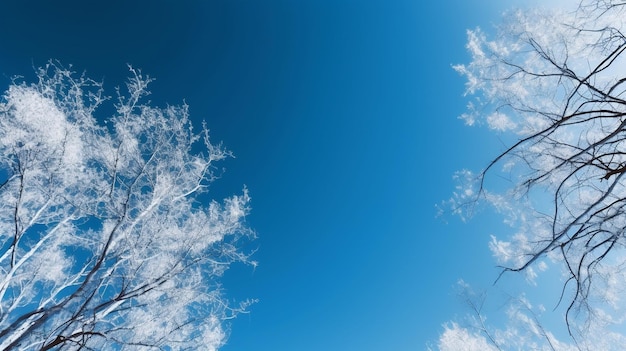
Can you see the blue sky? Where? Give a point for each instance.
(342, 116)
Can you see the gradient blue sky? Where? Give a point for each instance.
(343, 118)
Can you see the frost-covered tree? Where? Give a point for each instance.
(554, 82)
(519, 324)
(107, 241)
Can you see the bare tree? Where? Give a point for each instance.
(556, 79)
(105, 240)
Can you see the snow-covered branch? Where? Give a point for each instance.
(104, 242)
